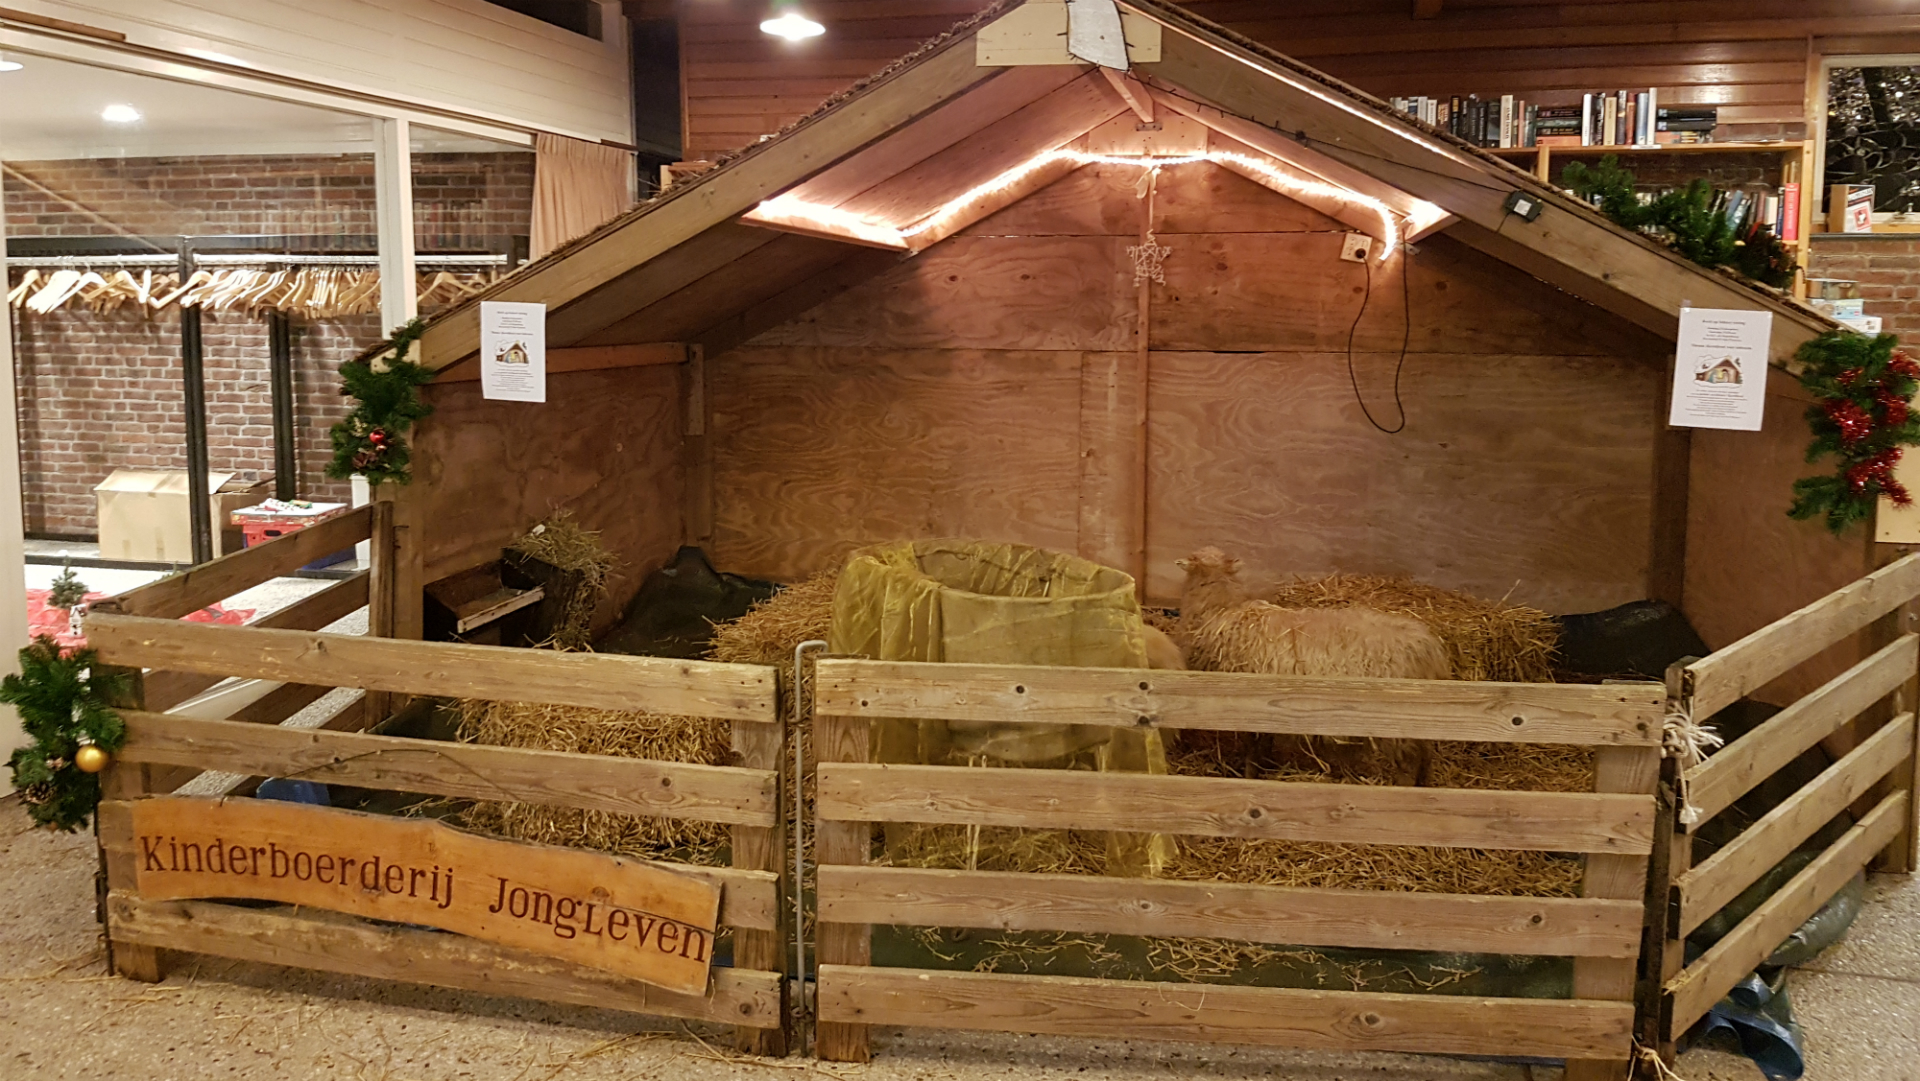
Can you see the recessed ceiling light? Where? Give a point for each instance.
(120, 114)
(793, 26)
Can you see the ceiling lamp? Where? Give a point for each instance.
(793, 26)
(120, 114)
(9, 65)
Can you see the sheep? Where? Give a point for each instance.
(1162, 651)
(1227, 631)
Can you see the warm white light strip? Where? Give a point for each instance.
(793, 209)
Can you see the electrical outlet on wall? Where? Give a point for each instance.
(1355, 246)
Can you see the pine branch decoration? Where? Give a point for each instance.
(1689, 219)
(371, 440)
(65, 703)
(1864, 417)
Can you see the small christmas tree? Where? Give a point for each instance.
(64, 703)
(67, 590)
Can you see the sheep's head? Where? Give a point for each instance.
(1212, 581)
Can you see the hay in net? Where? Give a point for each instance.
(1487, 640)
(560, 542)
(639, 734)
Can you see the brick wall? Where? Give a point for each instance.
(103, 392)
(1887, 266)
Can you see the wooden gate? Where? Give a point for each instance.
(1602, 930)
(1874, 777)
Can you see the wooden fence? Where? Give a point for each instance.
(1873, 776)
(140, 630)
(1614, 826)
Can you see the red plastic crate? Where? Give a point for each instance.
(262, 532)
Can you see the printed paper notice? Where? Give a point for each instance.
(513, 351)
(1720, 369)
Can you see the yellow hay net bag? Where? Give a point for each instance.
(963, 601)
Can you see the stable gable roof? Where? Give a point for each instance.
(940, 140)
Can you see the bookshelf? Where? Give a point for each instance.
(1794, 165)
(1543, 156)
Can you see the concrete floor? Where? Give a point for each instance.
(61, 1017)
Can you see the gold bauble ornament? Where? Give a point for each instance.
(91, 759)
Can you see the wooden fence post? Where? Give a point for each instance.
(842, 739)
(1616, 769)
(758, 745)
(127, 781)
(380, 598)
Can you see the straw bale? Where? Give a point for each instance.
(561, 542)
(638, 734)
(771, 629)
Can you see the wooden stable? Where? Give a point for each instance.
(141, 630)
(964, 301)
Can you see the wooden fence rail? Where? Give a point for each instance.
(1602, 931)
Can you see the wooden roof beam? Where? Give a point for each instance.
(960, 119)
(720, 196)
(1132, 92)
(1427, 9)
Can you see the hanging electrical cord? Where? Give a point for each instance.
(1406, 337)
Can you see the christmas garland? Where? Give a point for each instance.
(1865, 388)
(65, 705)
(1688, 219)
(371, 439)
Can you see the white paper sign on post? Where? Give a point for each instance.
(1720, 369)
(513, 351)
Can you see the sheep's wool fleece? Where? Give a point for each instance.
(1260, 637)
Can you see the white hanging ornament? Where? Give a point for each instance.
(1149, 261)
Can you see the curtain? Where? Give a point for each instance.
(577, 186)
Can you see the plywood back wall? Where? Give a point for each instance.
(986, 389)
(606, 446)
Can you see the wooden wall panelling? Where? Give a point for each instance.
(1747, 563)
(741, 83)
(1537, 491)
(1743, 57)
(606, 445)
(818, 451)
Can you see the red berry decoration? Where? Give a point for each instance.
(378, 437)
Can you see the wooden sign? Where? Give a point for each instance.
(634, 919)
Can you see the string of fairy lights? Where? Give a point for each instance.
(790, 207)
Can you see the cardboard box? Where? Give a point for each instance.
(142, 514)
(1850, 208)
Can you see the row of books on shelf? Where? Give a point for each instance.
(1777, 212)
(1606, 118)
